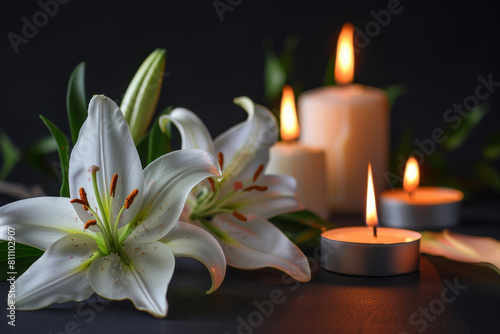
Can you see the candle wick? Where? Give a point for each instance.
(375, 231)
(410, 195)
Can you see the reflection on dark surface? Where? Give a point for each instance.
(260, 302)
(444, 296)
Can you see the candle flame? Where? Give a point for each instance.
(344, 63)
(412, 176)
(371, 207)
(289, 124)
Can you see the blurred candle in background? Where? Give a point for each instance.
(305, 164)
(350, 123)
(418, 208)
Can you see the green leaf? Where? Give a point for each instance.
(24, 257)
(286, 56)
(36, 152)
(394, 92)
(489, 175)
(76, 102)
(492, 149)
(302, 227)
(457, 137)
(329, 77)
(10, 155)
(143, 92)
(275, 74)
(43, 146)
(63, 150)
(159, 141)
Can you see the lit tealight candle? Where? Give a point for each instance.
(417, 207)
(305, 164)
(370, 250)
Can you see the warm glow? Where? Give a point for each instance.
(412, 176)
(371, 208)
(289, 124)
(344, 63)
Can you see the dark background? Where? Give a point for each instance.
(437, 49)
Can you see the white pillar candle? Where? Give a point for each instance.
(351, 124)
(305, 164)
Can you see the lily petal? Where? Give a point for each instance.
(105, 141)
(246, 146)
(168, 181)
(39, 221)
(187, 240)
(279, 197)
(60, 275)
(144, 280)
(257, 243)
(193, 131)
(461, 247)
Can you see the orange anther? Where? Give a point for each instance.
(212, 183)
(255, 187)
(130, 198)
(89, 223)
(221, 160)
(83, 197)
(79, 201)
(258, 172)
(239, 216)
(112, 189)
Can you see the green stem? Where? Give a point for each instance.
(99, 203)
(115, 229)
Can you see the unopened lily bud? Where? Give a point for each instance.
(141, 97)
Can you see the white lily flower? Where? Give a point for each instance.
(461, 247)
(235, 208)
(119, 234)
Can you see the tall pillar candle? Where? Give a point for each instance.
(351, 124)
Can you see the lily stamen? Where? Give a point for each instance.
(79, 201)
(130, 198)
(239, 216)
(212, 183)
(255, 187)
(220, 156)
(83, 197)
(89, 223)
(112, 189)
(258, 172)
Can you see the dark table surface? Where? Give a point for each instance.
(444, 296)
